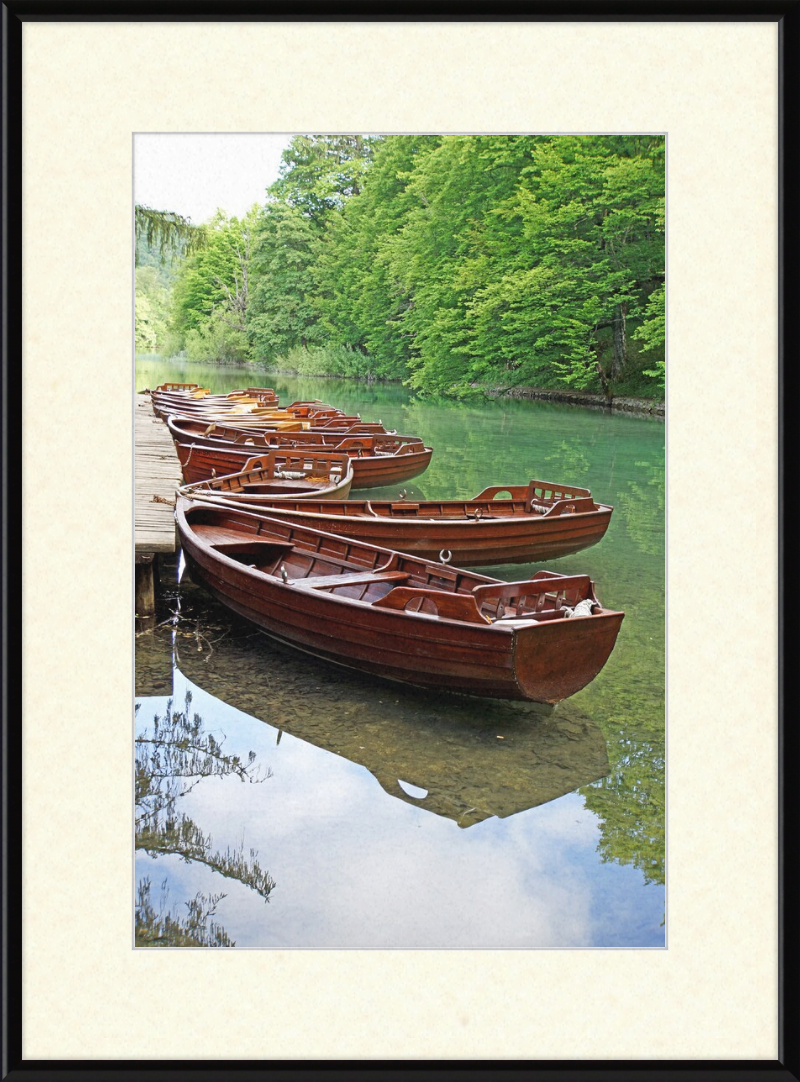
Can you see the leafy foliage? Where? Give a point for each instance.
(652, 333)
(319, 173)
(151, 310)
(212, 292)
(282, 313)
(360, 297)
(452, 262)
(172, 235)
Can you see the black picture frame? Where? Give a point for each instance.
(786, 13)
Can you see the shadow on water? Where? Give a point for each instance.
(445, 753)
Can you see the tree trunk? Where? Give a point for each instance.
(620, 342)
(603, 381)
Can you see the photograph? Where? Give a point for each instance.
(400, 540)
(404, 615)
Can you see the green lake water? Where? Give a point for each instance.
(374, 815)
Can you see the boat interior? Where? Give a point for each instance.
(276, 474)
(356, 444)
(309, 560)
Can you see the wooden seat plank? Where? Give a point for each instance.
(317, 582)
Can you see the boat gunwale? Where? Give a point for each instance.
(471, 523)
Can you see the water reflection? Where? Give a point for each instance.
(630, 806)
(436, 756)
(172, 757)
(642, 505)
(437, 752)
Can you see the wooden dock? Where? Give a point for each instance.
(157, 475)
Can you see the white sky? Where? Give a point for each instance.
(193, 174)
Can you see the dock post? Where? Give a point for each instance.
(145, 597)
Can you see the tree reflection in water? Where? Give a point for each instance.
(165, 929)
(171, 759)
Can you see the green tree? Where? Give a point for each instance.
(212, 291)
(497, 259)
(360, 298)
(151, 310)
(587, 219)
(652, 333)
(282, 313)
(319, 173)
(438, 256)
(166, 232)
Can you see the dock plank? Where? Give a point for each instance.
(157, 474)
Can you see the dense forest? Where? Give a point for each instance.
(452, 263)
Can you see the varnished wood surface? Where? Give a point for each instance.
(432, 632)
(477, 532)
(157, 474)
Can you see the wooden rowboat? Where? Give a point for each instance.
(256, 419)
(279, 474)
(501, 525)
(397, 616)
(378, 459)
(244, 411)
(236, 408)
(194, 392)
(234, 427)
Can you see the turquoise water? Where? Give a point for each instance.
(380, 816)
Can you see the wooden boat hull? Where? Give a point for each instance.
(245, 409)
(193, 392)
(276, 476)
(471, 543)
(199, 462)
(290, 488)
(539, 662)
(212, 431)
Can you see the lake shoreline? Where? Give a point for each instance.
(651, 407)
(625, 403)
(643, 407)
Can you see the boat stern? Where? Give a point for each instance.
(557, 658)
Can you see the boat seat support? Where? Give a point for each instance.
(449, 606)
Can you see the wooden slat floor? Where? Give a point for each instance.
(157, 473)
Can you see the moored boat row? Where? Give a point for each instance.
(207, 450)
(266, 526)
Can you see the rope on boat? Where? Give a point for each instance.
(583, 608)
